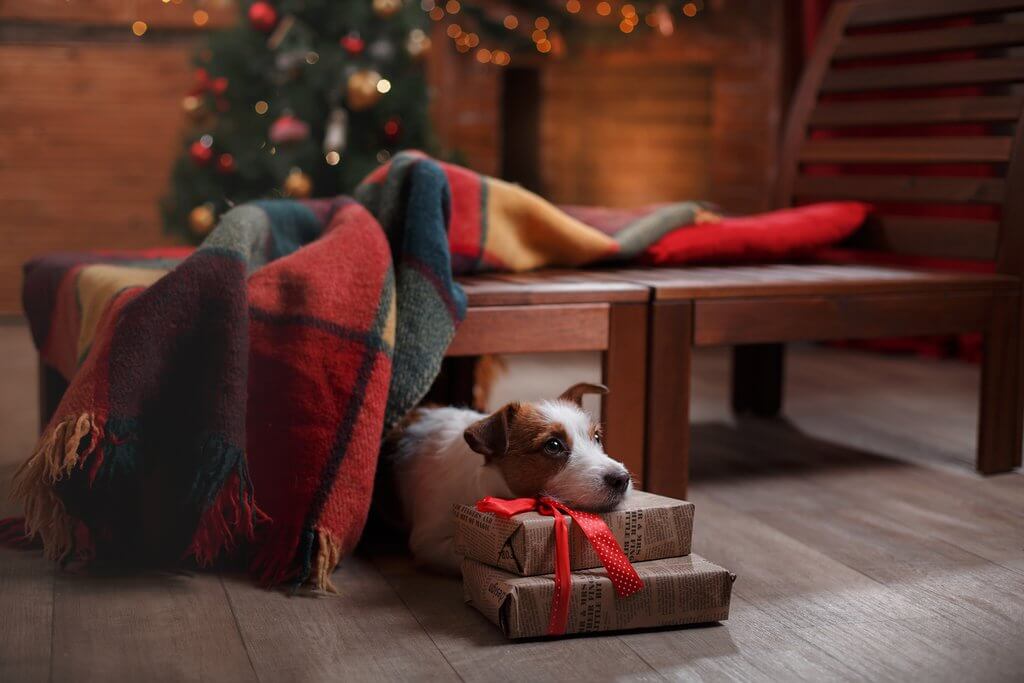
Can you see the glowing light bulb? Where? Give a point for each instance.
(139, 28)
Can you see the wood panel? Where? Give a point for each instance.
(26, 614)
(624, 373)
(926, 110)
(886, 12)
(901, 188)
(145, 627)
(90, 133)
(926, 150)
(119, 12)
(910, 42)
(808, 318)
(937, 237)
(531, 329)
(978, 71)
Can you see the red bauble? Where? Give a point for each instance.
(262, 16)
(201, 154)
(219, 85)
(202, 82)
(392, 129)
(226, 163)
(353, 44)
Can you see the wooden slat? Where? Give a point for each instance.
(1002, 391)
(26, 612)
(119, 12)
(911, 42)
(145, 627)
(908, 150)
(930, 110)
(902, 188)
(808, 318)
(364, 633)
(935, 237)
(532, 329)
(974, 72)
(808, 280)
(887, 12)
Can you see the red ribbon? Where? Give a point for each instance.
(620, 571)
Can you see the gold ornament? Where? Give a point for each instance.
(201, 220)
(386, 8)
(417, 44)
(193, 106)
(361, 91)
(298, 185)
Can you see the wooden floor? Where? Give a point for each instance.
(885, 558)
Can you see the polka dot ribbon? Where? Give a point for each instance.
(620, 571)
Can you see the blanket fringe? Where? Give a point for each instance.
(231, 516)
(311, 560)
(59, 451)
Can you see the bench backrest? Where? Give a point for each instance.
(916, 102)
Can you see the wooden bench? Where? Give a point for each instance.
(758, 308)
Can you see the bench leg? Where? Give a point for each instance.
(624, 372)
(757, 379)
(1002, 408)
(668, 398)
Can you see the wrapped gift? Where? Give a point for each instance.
(677, 590)
(646, 526)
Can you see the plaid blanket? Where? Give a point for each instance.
(231, 400)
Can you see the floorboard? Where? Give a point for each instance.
(363, 633)
(26, 616)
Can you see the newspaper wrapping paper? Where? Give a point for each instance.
(647, 527)
(678, 590)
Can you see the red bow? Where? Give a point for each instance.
(620, 571)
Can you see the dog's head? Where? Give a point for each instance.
(552, 448)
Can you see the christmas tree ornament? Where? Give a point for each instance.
(352, 43)
(193, 107)
(201, 82)
(336, 131)
(382, 50)
(417, 44)
(262, 16)
(288, 128)
(298, 185)
(226, 163)
(361, 89)
(201, 220)
(386, 8)
(392, 129)
(219, 85)
(200, 153)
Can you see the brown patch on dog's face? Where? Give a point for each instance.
(528, 449)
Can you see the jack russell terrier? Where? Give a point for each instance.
(444, 456)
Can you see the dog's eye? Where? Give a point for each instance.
(554, 447)
(597, 438)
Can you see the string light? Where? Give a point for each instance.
(437, 14)
(542, 24)
(261, 107)
(200, 17)
(139, 28)
(690, 9)
(332, 158)
(604, 9)
(511, 22)
(573, 6)
(454, 31)
(452, 7)
(483, 55)
(383, 86)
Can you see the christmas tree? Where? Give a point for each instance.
(301, 97)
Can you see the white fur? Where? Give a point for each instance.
(581, 481)
(436, 469)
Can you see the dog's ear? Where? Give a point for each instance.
(576, 391)
(489, 436)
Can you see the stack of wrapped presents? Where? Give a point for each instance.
(511, 568)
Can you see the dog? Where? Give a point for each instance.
(444, 456)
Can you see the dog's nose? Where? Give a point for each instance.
(617, 481)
